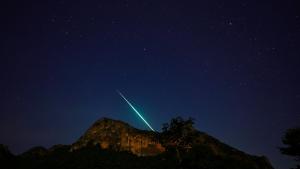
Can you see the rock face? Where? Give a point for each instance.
(120, 136)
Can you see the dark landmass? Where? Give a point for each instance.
(112, 144)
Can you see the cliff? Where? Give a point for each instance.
(120, 136)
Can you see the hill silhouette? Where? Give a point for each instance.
(113, 144)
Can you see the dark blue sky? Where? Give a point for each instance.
(231, 65)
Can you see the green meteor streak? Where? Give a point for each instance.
(135, 110)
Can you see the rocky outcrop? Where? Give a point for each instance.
(120, 136)
(114, 144)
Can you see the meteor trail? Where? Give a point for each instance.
(135, 110)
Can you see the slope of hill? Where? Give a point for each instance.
(114, 144)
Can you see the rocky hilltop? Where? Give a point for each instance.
(120, 136)
(114, 144)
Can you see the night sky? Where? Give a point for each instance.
(233, 66)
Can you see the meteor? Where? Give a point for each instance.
(135, 110)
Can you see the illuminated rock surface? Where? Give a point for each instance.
(120, 136)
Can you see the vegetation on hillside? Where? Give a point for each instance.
(292, 141)
(186, 148)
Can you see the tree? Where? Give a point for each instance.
(178, 135)
(292, 140)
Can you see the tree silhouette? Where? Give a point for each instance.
(292, 140)
(178, 135)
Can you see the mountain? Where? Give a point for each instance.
(120, 136)
(113, 144)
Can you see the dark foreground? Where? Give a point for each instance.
(92, 157)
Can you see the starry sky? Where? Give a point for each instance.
(231, 65)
